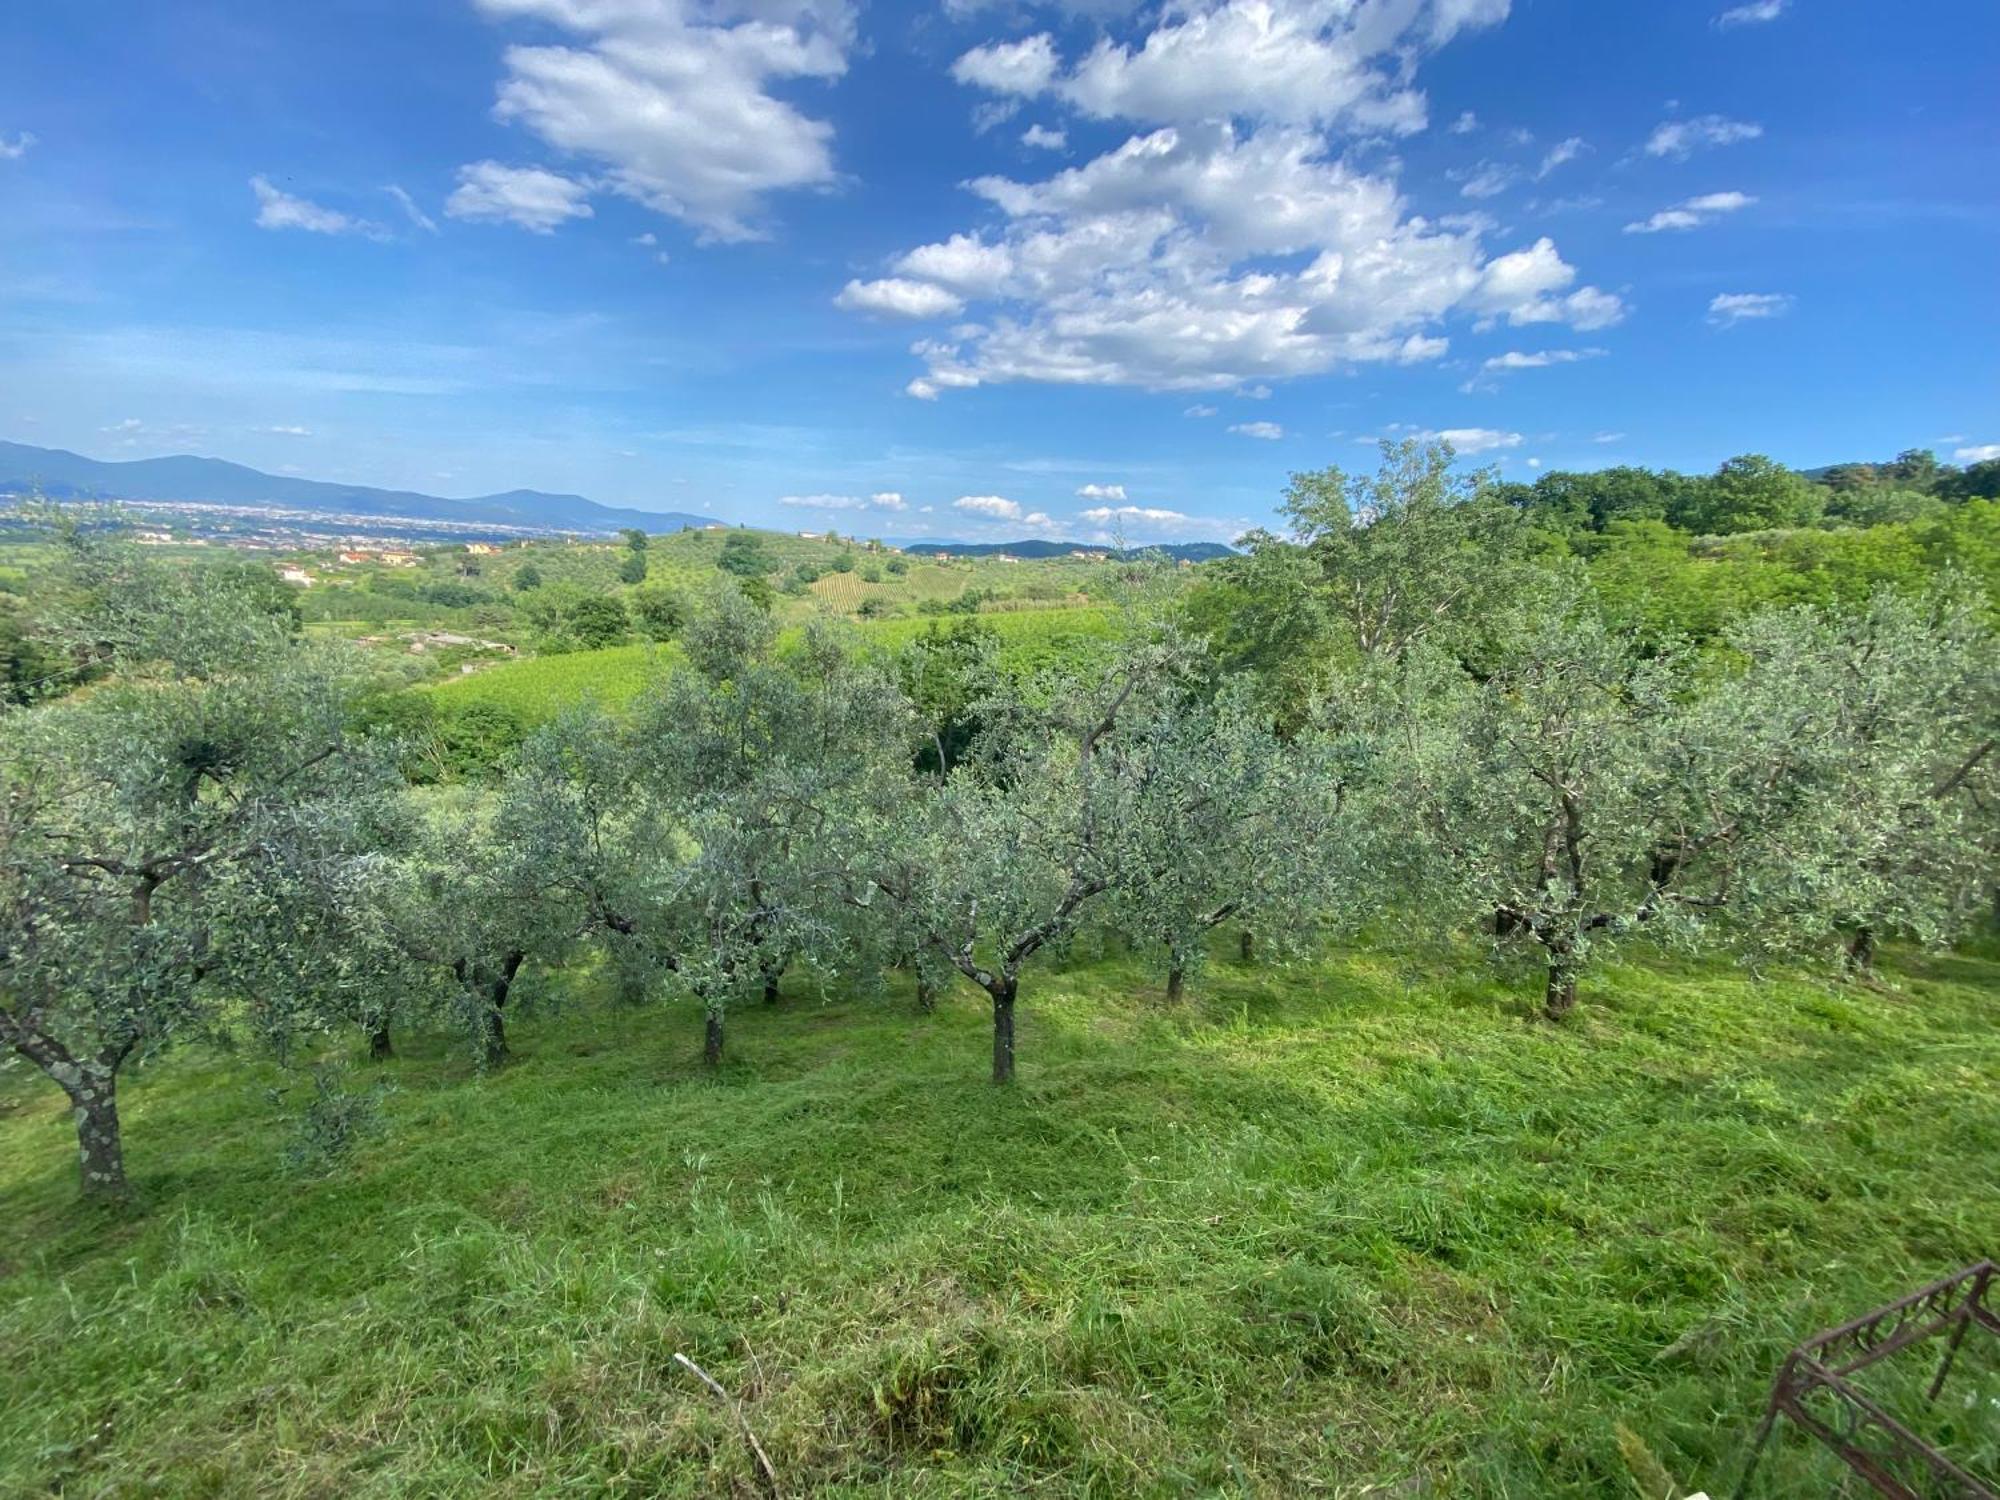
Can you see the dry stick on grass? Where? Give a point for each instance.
(756, 1448)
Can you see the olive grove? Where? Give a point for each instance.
(1412, 712)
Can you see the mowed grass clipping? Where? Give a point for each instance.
(1327, 1230)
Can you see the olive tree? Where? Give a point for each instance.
(145, 825)
(753, 762)
(549, 858)
(1833, 770)
(1005, 857)
(1527, 794)
(1877, 792)
(1229, 822)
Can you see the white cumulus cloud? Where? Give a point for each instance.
(1043, 139)
(1300, 62)
(18, 147)
(1270, 432)
(531, 197)
(674, 101)
(1101, 492)
(994, 507)
(1201, 258)
(1025, 67)
(898, 297)
(1979, 453)
(1470, 440)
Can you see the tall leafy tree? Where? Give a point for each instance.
(1264, 617)
(1748, 493)
(1409, 553)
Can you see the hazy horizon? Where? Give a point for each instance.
(991, 269)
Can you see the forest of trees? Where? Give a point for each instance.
(1441, 704)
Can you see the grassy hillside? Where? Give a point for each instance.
(809, 574)
(537, 688)
(1356, 1228)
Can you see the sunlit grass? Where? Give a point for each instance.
(537, 688)
(1327, 1230)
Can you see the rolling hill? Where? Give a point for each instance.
(185, 479)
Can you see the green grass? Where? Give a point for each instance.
(1331, 1230)
(537, 688)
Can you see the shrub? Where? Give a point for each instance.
(658, 612)
(744, 554)
(336, 1119)
(596, 621)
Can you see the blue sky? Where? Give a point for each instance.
(993, 268)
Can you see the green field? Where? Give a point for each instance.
(537, 688)
(687, 561)
(1349, 1229)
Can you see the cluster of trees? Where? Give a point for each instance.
(1753, 493)
(1408, 713)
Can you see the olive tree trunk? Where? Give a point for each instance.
(100, 1146)
(1861, 951)
(1003, 991)
(711, 1046)
(496, 1023)
(1559, 996)
(92, 1086)
(1176, 983)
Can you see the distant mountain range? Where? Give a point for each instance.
(1179, 551)
(57, 474)
(183, 479)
